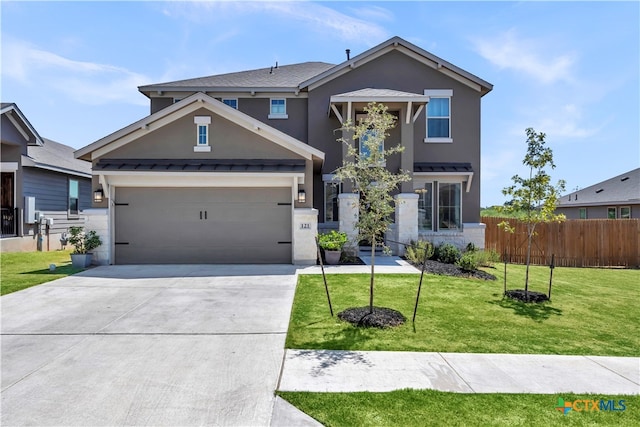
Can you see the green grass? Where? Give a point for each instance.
(427, 407)
(21, 270)
(592, 312)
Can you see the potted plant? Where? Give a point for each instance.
(83, 243)
(332, 244)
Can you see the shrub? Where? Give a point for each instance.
(468, 262)
(486, 258)
(416, 251)
(471, 247)
(333, 240)
(448, 253)
(83, 242)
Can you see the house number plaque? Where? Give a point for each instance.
(305, 226)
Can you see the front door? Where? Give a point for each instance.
(7, 197)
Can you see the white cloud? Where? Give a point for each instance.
(508, 51)
(314, 17)
(85, 82)
(373, 13)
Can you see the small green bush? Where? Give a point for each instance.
(333, 240)
(468, 262)
(486, 258)
(448, 253)
(416, 251)
(471, 247)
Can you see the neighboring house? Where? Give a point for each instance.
(240, 167)
(40, 178)
(615, 198)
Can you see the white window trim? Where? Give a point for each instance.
(435, 201)
(202, 121)
(278, 115)
(69, 213)
(586, 214)
(230, 99)
(438, 93)
(620, 210)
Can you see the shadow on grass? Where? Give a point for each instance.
(538, 312)
(62, 269)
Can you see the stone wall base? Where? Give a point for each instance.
(470, 233)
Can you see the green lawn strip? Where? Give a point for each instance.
(428, 407)
(21, 270)
(592, 312)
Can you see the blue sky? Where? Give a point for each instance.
(569, 69)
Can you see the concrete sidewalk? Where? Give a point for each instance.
(384, 264)
(378, 371)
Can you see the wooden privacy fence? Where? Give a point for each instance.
(575, 242)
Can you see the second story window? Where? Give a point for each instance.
(439, 115)
(231, 102)
(202, 133)
(278, 108)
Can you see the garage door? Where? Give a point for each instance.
(202, 225)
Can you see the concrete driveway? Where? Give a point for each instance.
(146, 345)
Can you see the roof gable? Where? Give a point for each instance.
(186, 106)
(409, 49)
(20, 122)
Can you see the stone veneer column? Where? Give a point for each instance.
(348, 206)
(305, 229)
(406, 219)
(98, 219)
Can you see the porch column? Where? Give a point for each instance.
(406, 157)
(97, 219)
(305, 229)
(406, 219)
(348, 205)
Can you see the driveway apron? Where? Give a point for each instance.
(147, 345)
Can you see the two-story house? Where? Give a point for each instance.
(239, 167)
(44, 187)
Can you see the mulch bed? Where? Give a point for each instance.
(380, 318)
(435, 267)
(519, 294)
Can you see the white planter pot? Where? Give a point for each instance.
(81, 260)
(332, 257)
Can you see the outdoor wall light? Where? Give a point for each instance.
(302, 196)
(98, 195)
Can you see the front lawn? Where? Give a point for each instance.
(21, 270)
(592, 312)
(428, 407)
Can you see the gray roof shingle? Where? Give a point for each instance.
(623, 188)
(284, 76)
(53, 155)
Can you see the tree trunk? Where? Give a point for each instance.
(373, 263)
(526, 275)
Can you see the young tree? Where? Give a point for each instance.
(366, 169)
(535, 196)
